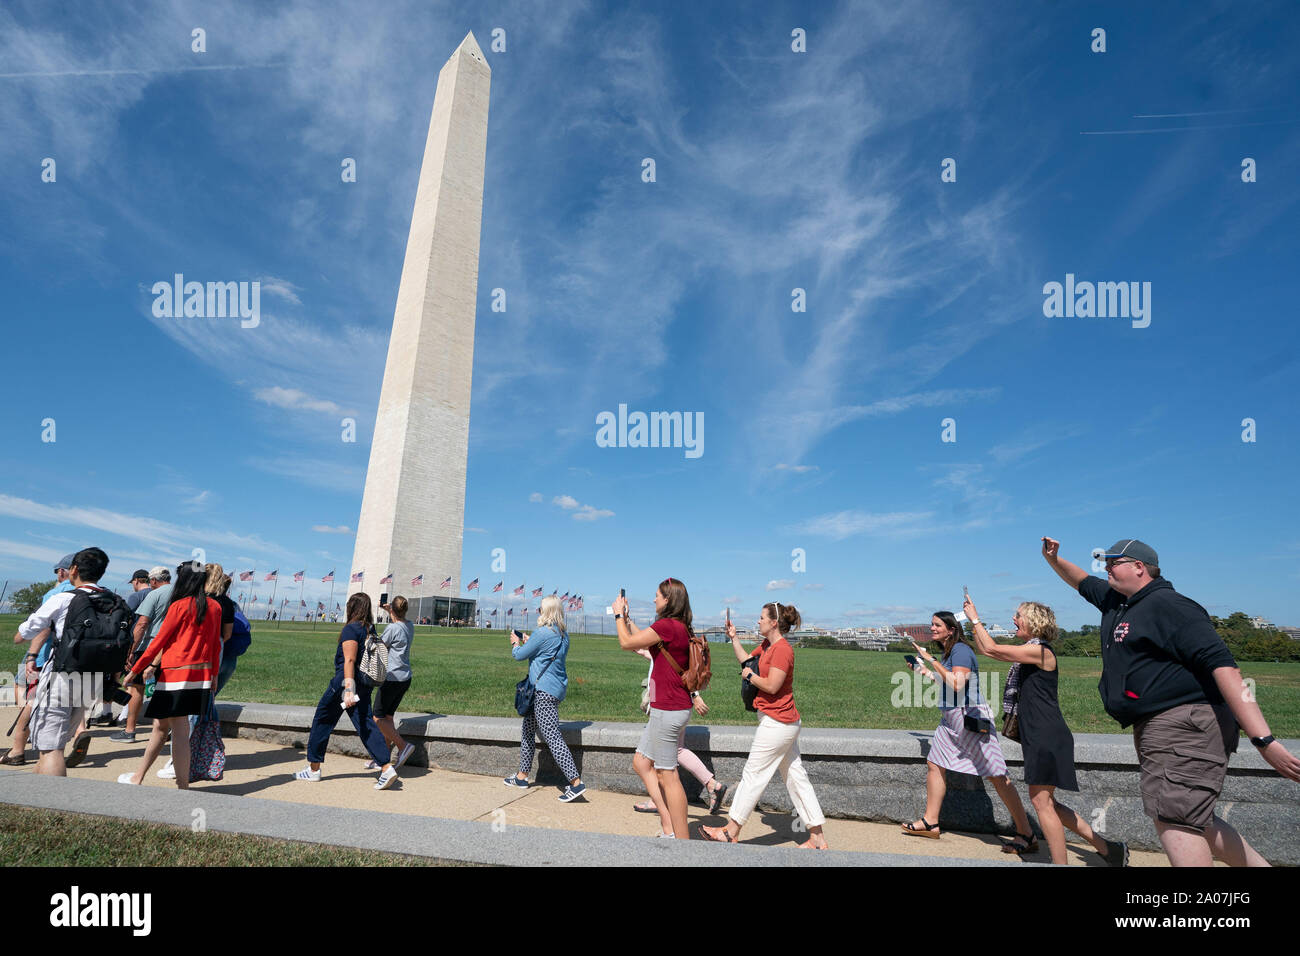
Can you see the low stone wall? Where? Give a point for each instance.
(858, 774)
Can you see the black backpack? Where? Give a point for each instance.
(96, 634)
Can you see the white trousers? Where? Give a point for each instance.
(776, 745)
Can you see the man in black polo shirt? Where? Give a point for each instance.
(1166, 672)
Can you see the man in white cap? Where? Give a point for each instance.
(1166, 672)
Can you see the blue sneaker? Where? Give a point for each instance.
(573, 792)
(513, 781)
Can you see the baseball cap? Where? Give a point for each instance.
(1130, 548)
(140, 575)
(159, 572)
(65, 562)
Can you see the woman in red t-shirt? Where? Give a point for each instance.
(776, 742)
(670, 703)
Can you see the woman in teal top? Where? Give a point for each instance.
(545, 650)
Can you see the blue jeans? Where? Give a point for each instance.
(328, 712)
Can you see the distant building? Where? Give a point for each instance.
(917, 632)
(1261, 624)
(1291, 632)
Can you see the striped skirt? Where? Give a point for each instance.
(961, 750)
(180, 692)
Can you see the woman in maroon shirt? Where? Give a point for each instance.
(670, 703)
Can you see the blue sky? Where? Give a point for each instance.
(775, 170)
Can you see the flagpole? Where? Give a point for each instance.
(333, 575)
(275, 582)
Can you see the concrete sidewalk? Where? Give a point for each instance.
(263, 771)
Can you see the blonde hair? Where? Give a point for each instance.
(551, 613)
(1039, 620)
(212, 582)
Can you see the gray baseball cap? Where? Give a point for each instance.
(65, 562)
(1132, 548)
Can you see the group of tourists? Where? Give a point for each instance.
(1165, 672)
(164, 653)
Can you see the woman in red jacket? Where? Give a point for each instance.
(183, 659)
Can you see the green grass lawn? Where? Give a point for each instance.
(31, 837)
(471, 672)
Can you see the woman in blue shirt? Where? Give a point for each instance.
(545, 650)
(956, 747)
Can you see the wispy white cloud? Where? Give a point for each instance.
(535, 496)
(331, 529)
(150, 531)
(781, 585)
(589, 513)
(292, 398)
(565, 501)
(846, 524)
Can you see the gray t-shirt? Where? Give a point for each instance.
(397, 636)
(154, 607)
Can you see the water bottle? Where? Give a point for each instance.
(148, 686)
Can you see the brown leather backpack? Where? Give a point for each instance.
(696, 677)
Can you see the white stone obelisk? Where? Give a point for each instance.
(413, 509)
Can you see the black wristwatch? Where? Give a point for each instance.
(618, 617)
(1262, 742)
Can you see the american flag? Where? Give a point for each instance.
(472, 586)
(446, 583)
(525, 612)
(417, 580)
(302, 603)
(357, 576)
(298, 575)
(555, 593)
(271, 576)
(519, 591)
(320, 605)
(387, 578)
(537, 592)
(245, 575)
(498, 587)
(253, 599)
(510, 613)
(328, 578)
(564, 596)
(494, 613)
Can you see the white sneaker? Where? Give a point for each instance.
(168, 772)
(405, 755)
(386, 779)
(126, 778)
(306, 773)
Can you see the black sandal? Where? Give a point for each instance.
(1031, 845)
(910, 830)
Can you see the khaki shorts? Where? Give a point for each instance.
(1183, 754)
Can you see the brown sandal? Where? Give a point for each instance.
(717, 834)
(9, 760)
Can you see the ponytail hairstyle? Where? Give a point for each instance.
(679, 603)
(398, 606)
(956, 633)
(786, 616)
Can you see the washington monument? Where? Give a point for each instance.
(413, 510)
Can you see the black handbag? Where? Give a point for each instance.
(747, 690)
(976, 723)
